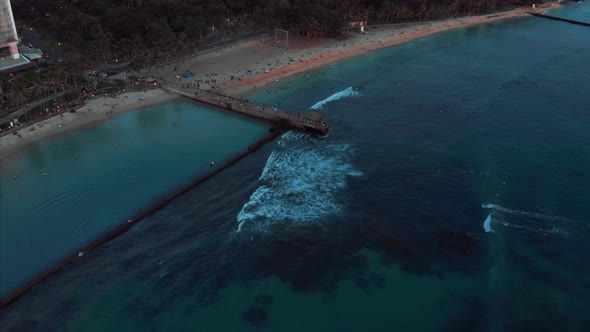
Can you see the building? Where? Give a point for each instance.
(10, 58)
(358, 23)
(8, 35)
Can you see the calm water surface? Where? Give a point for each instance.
(451, 195)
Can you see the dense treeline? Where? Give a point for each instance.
(129, 28)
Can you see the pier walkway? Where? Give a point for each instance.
(560, 19)
(307, 121)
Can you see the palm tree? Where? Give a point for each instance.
(20, 91)
(38, 90)
(71, 74)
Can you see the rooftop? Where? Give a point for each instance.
(10, 65)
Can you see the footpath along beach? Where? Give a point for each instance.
(246, 68)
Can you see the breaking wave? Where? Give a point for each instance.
(487, 224)
(553, 230)
(350, 92)
(299, 182)
(525, 222)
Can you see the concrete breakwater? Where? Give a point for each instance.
(555, 18)
(125, 225)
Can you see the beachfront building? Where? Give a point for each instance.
(358, 23)
(8, 36)
(10, 58)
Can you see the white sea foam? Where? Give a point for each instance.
(300, 178)
(350, 92)
(553, 230)
(299, 182)
(522, 224)
(522, 213)
(487, 224)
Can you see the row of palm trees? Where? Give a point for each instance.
(57, 79)
(326, 17)
(38, 88)
(424, 10)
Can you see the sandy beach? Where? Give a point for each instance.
(93, 112)
(244, 69)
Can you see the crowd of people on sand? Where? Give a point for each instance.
(57, 110)
(215, 81)
(306, 55)
(60, 109)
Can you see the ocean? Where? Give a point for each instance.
(73, 188)
(452, 194)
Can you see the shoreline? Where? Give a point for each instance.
(89, 115)
(229, 70)
(394, 36)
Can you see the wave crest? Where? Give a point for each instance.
(350, 92)
(524, 219)
(487, 224)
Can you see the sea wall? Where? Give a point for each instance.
(555, 18)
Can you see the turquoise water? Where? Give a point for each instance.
(99, 177)
(579, 11)
(451, 195)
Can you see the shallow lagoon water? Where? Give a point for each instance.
(99, 177)
(379, 226)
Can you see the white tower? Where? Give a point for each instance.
(8, 35)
